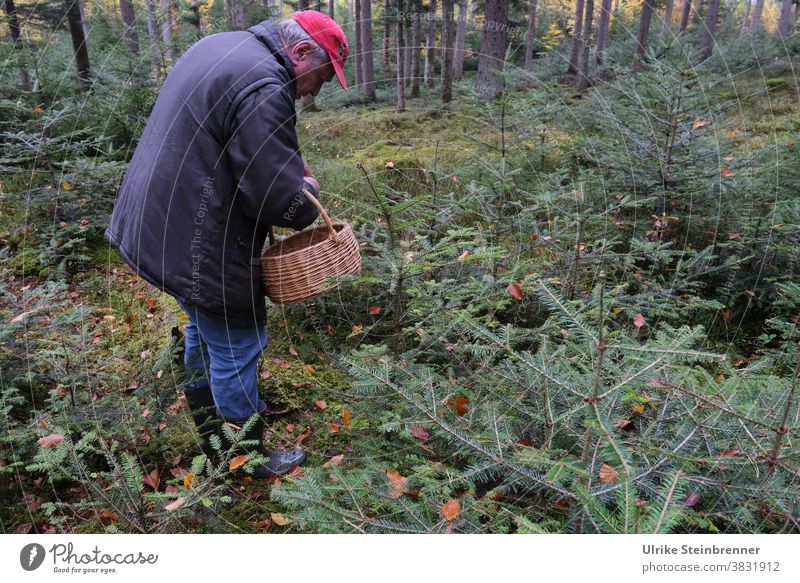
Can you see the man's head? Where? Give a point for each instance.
(318, 48)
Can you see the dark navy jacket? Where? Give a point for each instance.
(218, 163)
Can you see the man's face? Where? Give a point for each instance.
(309, 75)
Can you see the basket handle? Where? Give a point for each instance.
(331, 231)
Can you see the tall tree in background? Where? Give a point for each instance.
(531, 38)
(331, 8)
(746, 21)
(129, 20)
(400, 75)
(685, 12)
(167, 28)
(430, 45)
(359, 49)
(368, 66)
(13, 26)
(448, 41)
(416, 38)
(572, 68)
(387, 33)
(785, 19)
(235, 9)
(644, 31)
(493, 49)
(666, 28)
(602, 30)
(153, 36)
(586, 37)
(461, 39)
(709, 30)
(76, 31)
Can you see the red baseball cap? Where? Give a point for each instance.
(327, 34)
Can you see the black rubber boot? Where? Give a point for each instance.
(278, 463)
(204, 413)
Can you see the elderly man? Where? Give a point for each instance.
(217, 164)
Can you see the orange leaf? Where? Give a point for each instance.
(310, 370)
(357, 329)
(638, 408)
(725, 171)
(238, 461)
(398, 485)
(730, 453)
(334, 427)
(176, 504)
(262, 524)
(639, 321)
(698, 123)
(346, 417)
(153, 479)
(420, 432)
(608, 474)
(279, 519)
(459, 405)
(321, 404)
(374, 310)
(290, 427)
(280, 362)
(107, 516)
(187, 480)
(51, 440)
(334, 461)
(516, 291)
(451, 509)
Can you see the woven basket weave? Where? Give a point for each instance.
(298, 267)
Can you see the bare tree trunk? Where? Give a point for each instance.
(155, 41)
(586, 35)
(359, 47)
(785, 19)
(331, 9)
(13, 26)
(448, 39)
(129, 20)
(493, 49)
(406, 57)
(430, 46)
(461, 40)
(400, 76)
(167, 9)
(76, 31)
(687, 10)
(667, 27)
(530, 40)
(746, 21)
(710, 29)
(366, 43)
(602, 30)
(756, 22)
(387, 32)
(416, 34)
(572, 68)
(644, 31)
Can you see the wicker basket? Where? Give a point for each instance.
(298, 267)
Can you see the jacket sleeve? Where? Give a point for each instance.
(265, 160)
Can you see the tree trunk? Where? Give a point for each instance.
(666, 29)
(167, 13)
(644, 31)
(78, 43)
(359, 48)
(785, 19)
(331, 9)
(586, 36)
(602, 30)
(687, 10)
(756, 22)
(406, 56)
(448, 40)
(153, 36)
(461, 40)
(387, 33)
(530, 40)
(430, 46)
(416, 33)
(400, 76)
(746, 21)
(366, 43)
(13, 26)
(710, 29)
(493, 49)
(129, 20)
(572, 68)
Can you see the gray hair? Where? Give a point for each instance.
(292, 33)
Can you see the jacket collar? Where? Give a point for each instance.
(267, 33)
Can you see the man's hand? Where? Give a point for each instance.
(312, 181)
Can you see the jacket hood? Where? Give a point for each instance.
(267, 33)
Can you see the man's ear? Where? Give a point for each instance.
(302, 49)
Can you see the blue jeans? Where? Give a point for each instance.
(223, 357)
